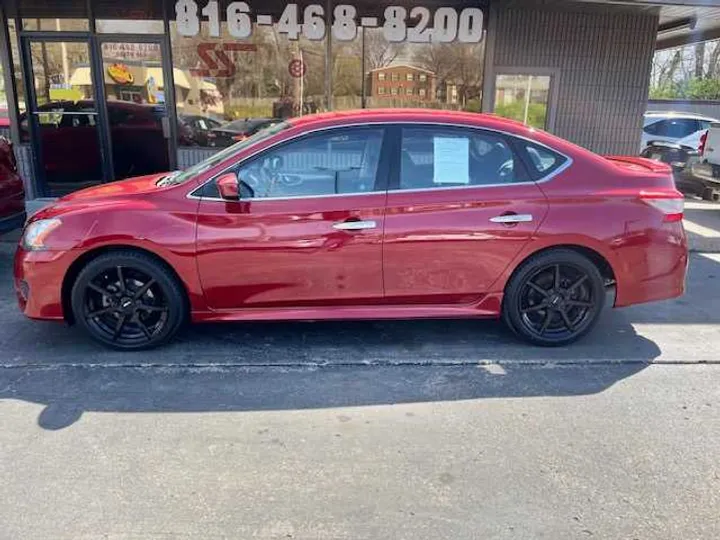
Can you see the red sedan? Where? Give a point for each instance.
(362, 215)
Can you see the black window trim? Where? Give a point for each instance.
(391, 144)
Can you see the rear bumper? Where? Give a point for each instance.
(655, 267)
(38, 277)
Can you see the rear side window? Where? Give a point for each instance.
(444, 157)
(542, 160)
(677, 128)
(656, 128)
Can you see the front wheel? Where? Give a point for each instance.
(129, 301)
(554, 298)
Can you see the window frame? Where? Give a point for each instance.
(208, 190)
(389, 165)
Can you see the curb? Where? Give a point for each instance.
(704, 245)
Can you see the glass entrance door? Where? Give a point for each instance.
(62, 115)
(137, 112)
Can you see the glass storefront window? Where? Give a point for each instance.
(53, 16)
(240, 73)
(257, 62)
(419, 67)
(17, 72)
(64, 115)
(524, 98)
(128, 17)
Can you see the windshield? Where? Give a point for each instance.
(209, 163)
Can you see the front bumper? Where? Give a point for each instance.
(38, 278)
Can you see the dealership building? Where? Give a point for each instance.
(101, 90)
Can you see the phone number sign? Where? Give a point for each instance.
(398, 24)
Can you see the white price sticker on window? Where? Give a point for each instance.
(451, 160)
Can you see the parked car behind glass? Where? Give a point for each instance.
(239, 130)
(196, 130)
(12, 192)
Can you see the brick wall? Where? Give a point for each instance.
(602, 56)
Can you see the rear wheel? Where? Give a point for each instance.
(128, 301)
(554, 298)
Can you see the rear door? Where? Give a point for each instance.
(460, 208)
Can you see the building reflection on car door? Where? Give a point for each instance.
(307, 230)
(460, 209)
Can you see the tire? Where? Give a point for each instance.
(707, 194)
(533, 304)
(110, 305)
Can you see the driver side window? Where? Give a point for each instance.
(341, 161)
(445, 157)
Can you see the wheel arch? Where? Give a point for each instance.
(83, 260)
(602, 262)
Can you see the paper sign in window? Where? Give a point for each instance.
(451, 160)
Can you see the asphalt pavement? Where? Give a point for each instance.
(367, 430)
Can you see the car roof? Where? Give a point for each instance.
(678, 114)
(409, 115)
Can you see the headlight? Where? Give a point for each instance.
(37, 232)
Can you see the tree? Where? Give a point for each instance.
(689, 72)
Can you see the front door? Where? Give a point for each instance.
(307, 230)
(134, 84)
(62, 115)
(462, 208)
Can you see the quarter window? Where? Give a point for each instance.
(542, 159)
(447, 157)
(341, 162)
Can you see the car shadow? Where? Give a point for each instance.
(293, 366)
(69, 391)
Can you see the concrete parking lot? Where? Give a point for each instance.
(366, 430)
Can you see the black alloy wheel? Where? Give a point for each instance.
(555, 298)
(128, 301)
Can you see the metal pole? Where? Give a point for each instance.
(363, 103)
(328, 57)
(527, 99)
(302, 83)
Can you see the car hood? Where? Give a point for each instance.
(121, 188)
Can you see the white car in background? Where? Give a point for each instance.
(668, 126)
(710, 153)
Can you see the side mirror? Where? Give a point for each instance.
(229, 187)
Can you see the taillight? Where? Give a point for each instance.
(703, 140)
(671, 205)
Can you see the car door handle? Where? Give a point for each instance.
(355, 225)
(512, 218)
